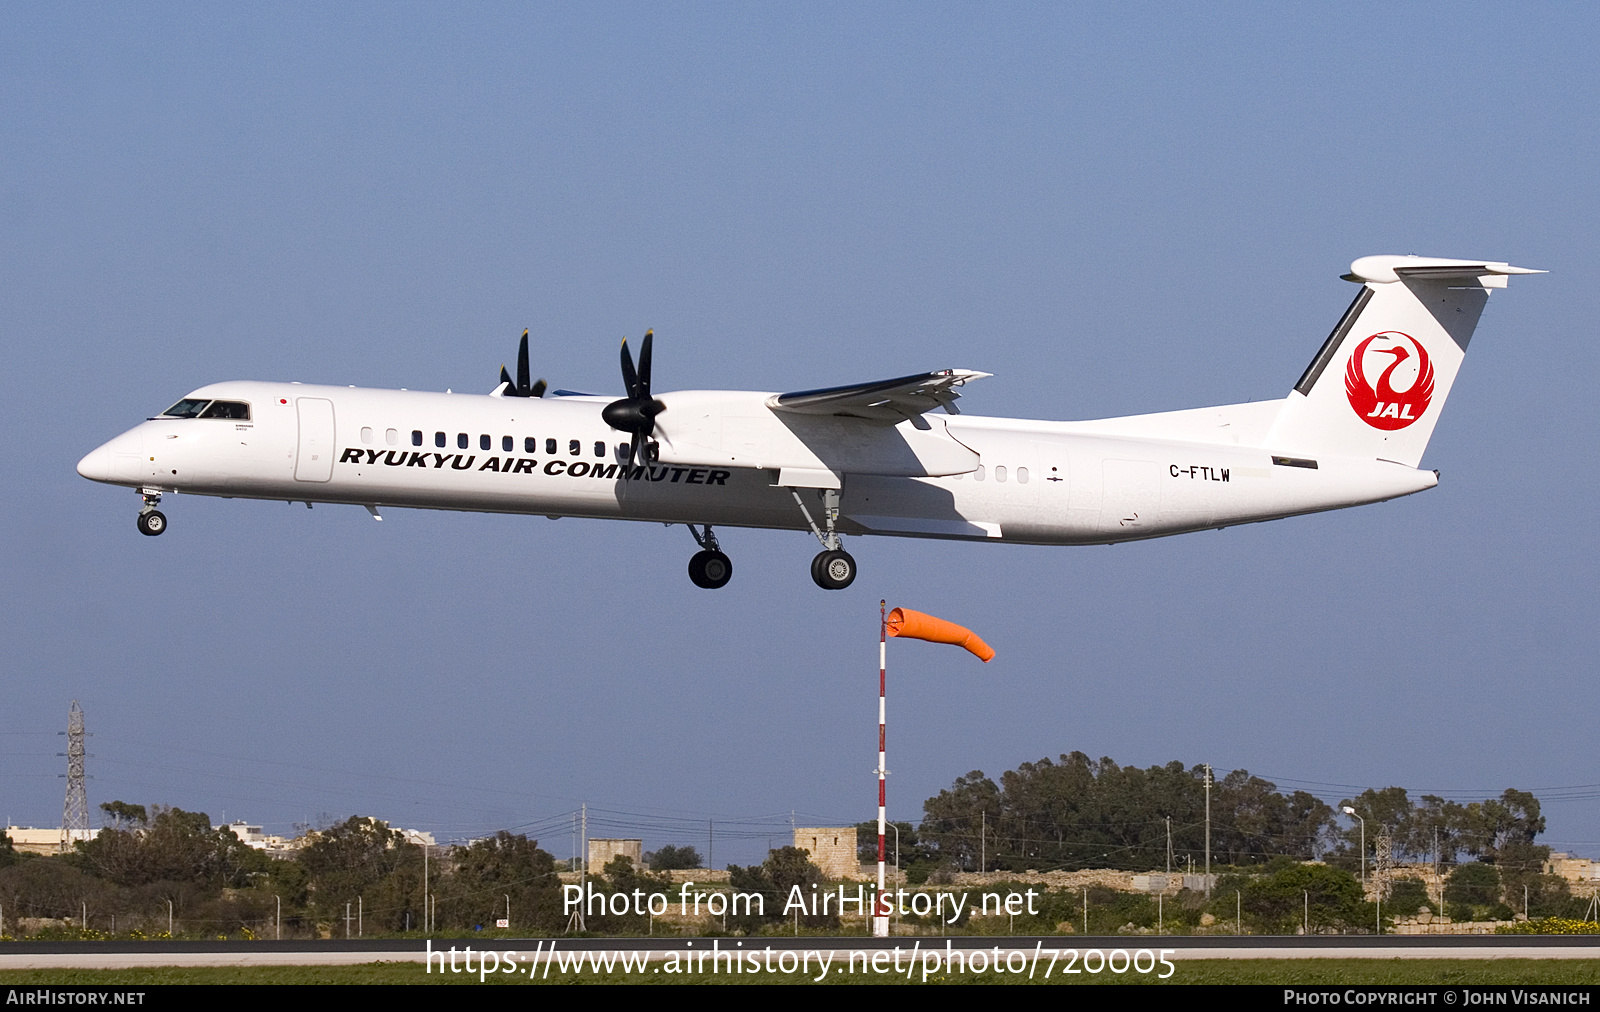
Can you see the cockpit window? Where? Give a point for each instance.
(229, 409)
(186, 408)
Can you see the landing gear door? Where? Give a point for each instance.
(314, 460)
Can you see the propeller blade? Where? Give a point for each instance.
(505, 377)
(635, 413)
(630, 379)
(538, 388)
(523, 389)
(643, 393)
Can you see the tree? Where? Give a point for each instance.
(790, 868)
(1079, 813)
(918, 859)
(1437, 826)
(670, 858)
(1387, 809)
(488, 870)
(124, 815)
(1473, 891)
(1279, 901)
(342, 862)
(954, 818)
(1492, 826)
(169, 845)
(784, 870)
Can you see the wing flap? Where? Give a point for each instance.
(884, 402)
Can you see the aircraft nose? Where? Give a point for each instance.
(115, 462)
(96, 464)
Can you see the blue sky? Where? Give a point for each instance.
(1114, 210)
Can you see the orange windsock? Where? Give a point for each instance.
(915, 625)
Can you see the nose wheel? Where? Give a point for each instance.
(709, 569)
(152, 523)
(151, 520)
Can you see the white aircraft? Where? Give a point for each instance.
(863, 459)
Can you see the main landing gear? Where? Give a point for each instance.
(151, 520)
(708, 568)
(833, 568)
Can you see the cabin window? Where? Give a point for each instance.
(461, 440)
(237, 410)
(549, 446)
(186, 408)
(1022, 476)
(622, 451)
(416, 437)
(1000, 473)
(438, 439)
(530, 445)
(574, 446)
(392, 437)
(599, 448)
(978, 474)
(507, 444)
(366, 433)
(484, 442)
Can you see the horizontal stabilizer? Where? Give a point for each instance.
(1388, 268)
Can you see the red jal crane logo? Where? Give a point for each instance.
(1381, 405)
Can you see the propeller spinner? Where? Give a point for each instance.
(520, 387)
(635, 413)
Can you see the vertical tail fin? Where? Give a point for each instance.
(1376, 388)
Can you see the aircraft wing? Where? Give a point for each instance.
(885, 402)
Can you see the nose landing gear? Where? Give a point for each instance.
(708, 568)
(151, 520)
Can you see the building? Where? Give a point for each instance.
(44, 841)
(1573, 869)
(832, 848)
(255, 839)
(602, 851)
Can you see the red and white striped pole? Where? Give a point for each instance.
(880, 916)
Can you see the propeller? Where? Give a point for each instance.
(521, 387)
(635, 413)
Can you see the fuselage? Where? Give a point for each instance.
(1034, 482)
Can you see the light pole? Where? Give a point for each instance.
(1352, 813)
(901, 882)
(1208, 831)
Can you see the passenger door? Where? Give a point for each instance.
(314, 459)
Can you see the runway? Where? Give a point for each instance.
(125, 955)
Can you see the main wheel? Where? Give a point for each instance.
(710, 570)
(152, 523)
(833, 570)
